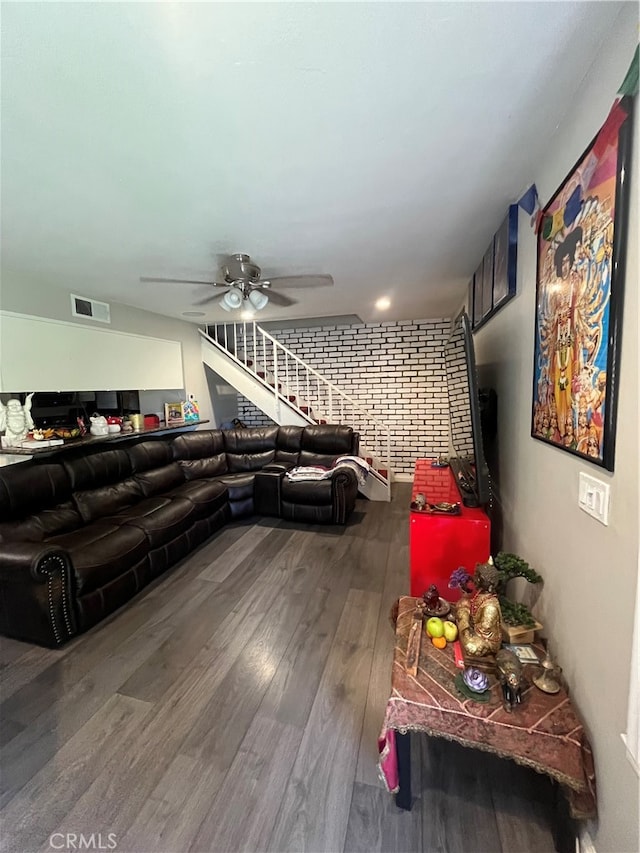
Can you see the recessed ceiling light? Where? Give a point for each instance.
(193, 313)
(383, 303)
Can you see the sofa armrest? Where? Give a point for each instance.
(344, 485)
(36, 593)
(267, 490)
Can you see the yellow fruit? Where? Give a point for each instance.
(439, 642)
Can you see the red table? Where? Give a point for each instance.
(544, 732)
(440, 543)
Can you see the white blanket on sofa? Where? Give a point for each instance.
(318, 472)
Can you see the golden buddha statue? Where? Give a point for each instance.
(478, 614)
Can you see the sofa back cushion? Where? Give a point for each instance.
(288, 445)
(102, 483)
(149, 454)
(157, 481)
(322, 443)
(98, 469)
(27, 488)
(39, 526)
(250, 449)
(35, 502)
(200, 454)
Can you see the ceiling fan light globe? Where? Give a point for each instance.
(232, 299)
(258, 299)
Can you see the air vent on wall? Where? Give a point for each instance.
(90, 309)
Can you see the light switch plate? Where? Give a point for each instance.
(593, 497)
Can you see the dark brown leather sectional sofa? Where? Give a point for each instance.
(80, 535)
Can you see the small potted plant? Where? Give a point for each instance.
(518, 623)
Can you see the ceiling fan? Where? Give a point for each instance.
(242, 283)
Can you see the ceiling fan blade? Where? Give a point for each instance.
(181, 281)
(210, 299)
(299, 281)
(280, 298)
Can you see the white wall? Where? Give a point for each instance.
(38, 298)
(590, 571)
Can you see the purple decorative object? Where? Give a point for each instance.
(459, 579)
(475, 679)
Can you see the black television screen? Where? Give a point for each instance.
(466, 454)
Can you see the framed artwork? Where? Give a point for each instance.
(477, 297)
(173, 414)
(494, 282)
(578, 314)
(487, 282)
(505, 258)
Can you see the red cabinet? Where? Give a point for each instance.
(440, 543)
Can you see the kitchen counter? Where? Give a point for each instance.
(23, 454)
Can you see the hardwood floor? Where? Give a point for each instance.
(235, 706)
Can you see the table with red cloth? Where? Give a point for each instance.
(544, 732)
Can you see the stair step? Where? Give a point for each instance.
(291, 398)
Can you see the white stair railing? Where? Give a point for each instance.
(296, 386)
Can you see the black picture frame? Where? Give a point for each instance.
(505, 255)
(494, 282)
(487, 282)
(477, 297)
(581, 264)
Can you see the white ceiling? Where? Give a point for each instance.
(378, 142)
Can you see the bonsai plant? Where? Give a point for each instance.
(511, 566)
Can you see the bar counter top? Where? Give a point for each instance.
(23, 454)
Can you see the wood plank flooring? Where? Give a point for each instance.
(235, 706)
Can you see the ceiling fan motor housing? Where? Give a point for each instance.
(240, 268)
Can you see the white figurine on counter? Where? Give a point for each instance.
(16, 420)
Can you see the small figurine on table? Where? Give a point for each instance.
(431, 599)
(478, 614)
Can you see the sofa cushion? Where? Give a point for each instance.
(41, 525)
(98, 469)
(321, 444)
(239, 485)
(197, 469)
(160, 480)
(207, 496)
(29, 488)
(161, 519)
(97, 503)
(250, 449)
(101, 552)
(149, 454)
(198, 445)
(200, 454)
(288, 445)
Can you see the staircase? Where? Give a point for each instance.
(288, 391)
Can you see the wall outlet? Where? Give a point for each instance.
(593, 497)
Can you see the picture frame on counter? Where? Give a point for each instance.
(173, 414)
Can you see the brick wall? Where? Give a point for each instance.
(395, 370)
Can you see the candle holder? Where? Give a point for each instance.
(549, 679)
